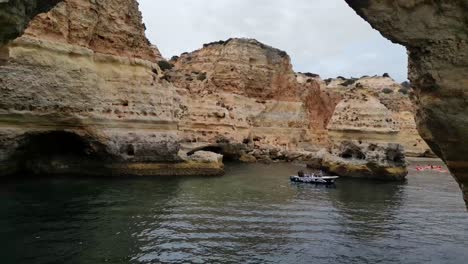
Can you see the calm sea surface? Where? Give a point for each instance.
(251, 215)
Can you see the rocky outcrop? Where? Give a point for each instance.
(360, 160)
(375, 110)
(86, 68)
(92, 82)
(363, 115)
(245, 92)
(436, 36)
(240, 66)
(16, 14)
(111, 27)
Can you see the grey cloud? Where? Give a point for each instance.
(322, 36)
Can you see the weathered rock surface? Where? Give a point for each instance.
(436, 36)
(111, 27)
(86, 69)
(375, 110)
(247, 93)
(361, 160)
(91, 81)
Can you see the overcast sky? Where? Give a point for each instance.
(321, 36)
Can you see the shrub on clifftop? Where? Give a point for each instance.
(387, 90)
(165, 65)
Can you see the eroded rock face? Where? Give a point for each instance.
(96, 75)
(436, 36)
(92, 78)
(245, 92)
(111, 27)
(375, 110)
(360, 160)
(241, 66)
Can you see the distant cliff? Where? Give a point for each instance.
(241, 89)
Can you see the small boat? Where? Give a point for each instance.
(315, 179)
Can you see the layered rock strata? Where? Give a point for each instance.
(246, 93)
(436, 36)
(84, 76)
(86, 68)
(375, 110)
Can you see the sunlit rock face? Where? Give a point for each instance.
(81, 87)
(435, 34)
(16, 14)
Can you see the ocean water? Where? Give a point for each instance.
(253, 214)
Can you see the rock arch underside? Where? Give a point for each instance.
(109, 43)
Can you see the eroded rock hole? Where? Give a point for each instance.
(396, 156)
(353, 154)
(130, 150)
(227, 155)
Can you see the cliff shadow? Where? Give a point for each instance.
(57, 152)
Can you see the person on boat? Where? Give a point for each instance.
(301, 174)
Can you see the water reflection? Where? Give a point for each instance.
(251, 215)
(238, 215)
(367, 208)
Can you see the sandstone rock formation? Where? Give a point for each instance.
(88, 89)
(436, 36)
(86, 71)
(375, 110)
(245, 92)
(360, 160)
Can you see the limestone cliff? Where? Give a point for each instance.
(112, 27)
(375, 110)
(246, 92)
(86, 69)
(241, 90)
(436, 36)
(83, 76)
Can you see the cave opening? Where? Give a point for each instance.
(56, 152)
(396, 157)
(353, 154)
(222, 150)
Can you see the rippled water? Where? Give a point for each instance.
(251, 215)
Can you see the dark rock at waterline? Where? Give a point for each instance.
(372, 161)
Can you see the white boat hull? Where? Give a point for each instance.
(315, 179)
